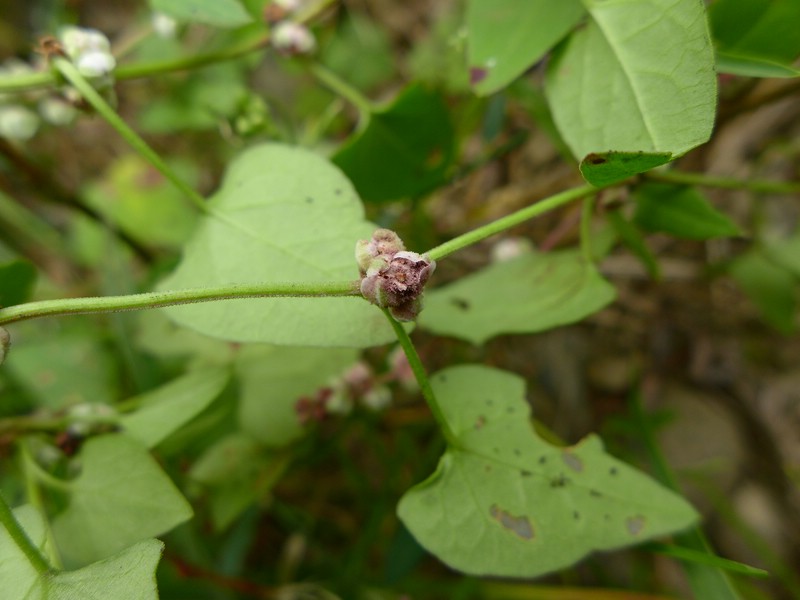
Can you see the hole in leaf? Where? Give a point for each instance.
(520, 526)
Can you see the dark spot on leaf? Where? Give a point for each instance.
(595, 494)
(496, 450)
(542, 460)
(572, 461)
(489, 402)
(520, 525)
(613, 470)
(487, 467)
(309, 200)
(525, 473)
(517, 452)
(477, 74)
(434, 158)
(337, 191)
(607, 517)
(559, 482)
(576, 515)
(635, 525)
(595, 159)
(460, 303)
(510, 410)
(480, 422)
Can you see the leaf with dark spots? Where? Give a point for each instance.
(477, 74)
(539, 507)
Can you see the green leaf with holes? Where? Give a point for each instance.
(505, 37)
(219, 13)
(120, 497)
(637, 78)
(402, 150)
(283, 214)
(504, 502)
(530, 293)
(681, 211)
(165, 409)
(756, 38)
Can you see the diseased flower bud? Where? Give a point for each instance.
(391, 276)
(383, 245)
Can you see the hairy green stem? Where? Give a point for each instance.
(21, 539)
(341, 88)
(422, 379)
(71, 74)
(515, 218)
(756, 185)
(73, 306)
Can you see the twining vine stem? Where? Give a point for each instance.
(21, 539)
(422, 378)
(71, 74)
(73, 306)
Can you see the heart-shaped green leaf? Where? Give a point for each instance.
(530, 293)
(129, 575)
(121, 497)
(639, 77)
(405, 149)
(283, 214)
(505, 37)
(273, 379)
(166, 408)
(220, 13)
(681, 211)
(504, 502)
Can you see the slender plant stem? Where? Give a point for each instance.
(586, 229)
(71, 74)
(341, 88)
(21, 539)
(34, 497)
(73, 306)
(422, 379)
(515, 218)
(756, 185)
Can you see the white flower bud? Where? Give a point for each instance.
(95, 63)
(293, 39)
(17, 122)
(164, 25)
(57, 111)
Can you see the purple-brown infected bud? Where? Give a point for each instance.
(391, 276)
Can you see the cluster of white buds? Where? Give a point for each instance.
(391, 276)
(360, 384)
(89, 50)
(288, 37)
(21, 114)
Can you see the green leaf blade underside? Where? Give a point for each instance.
(219, 13)
(757, 29)
(639, 77)
(128, 575)
(17, 279)
(506, 37)
(272, 380)
(749, 66)
(121, 497)
(283, 214)
(681, 211)
(170, 406)
(405, 149)
(506, 503)
(531, 293)
(770, 286)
